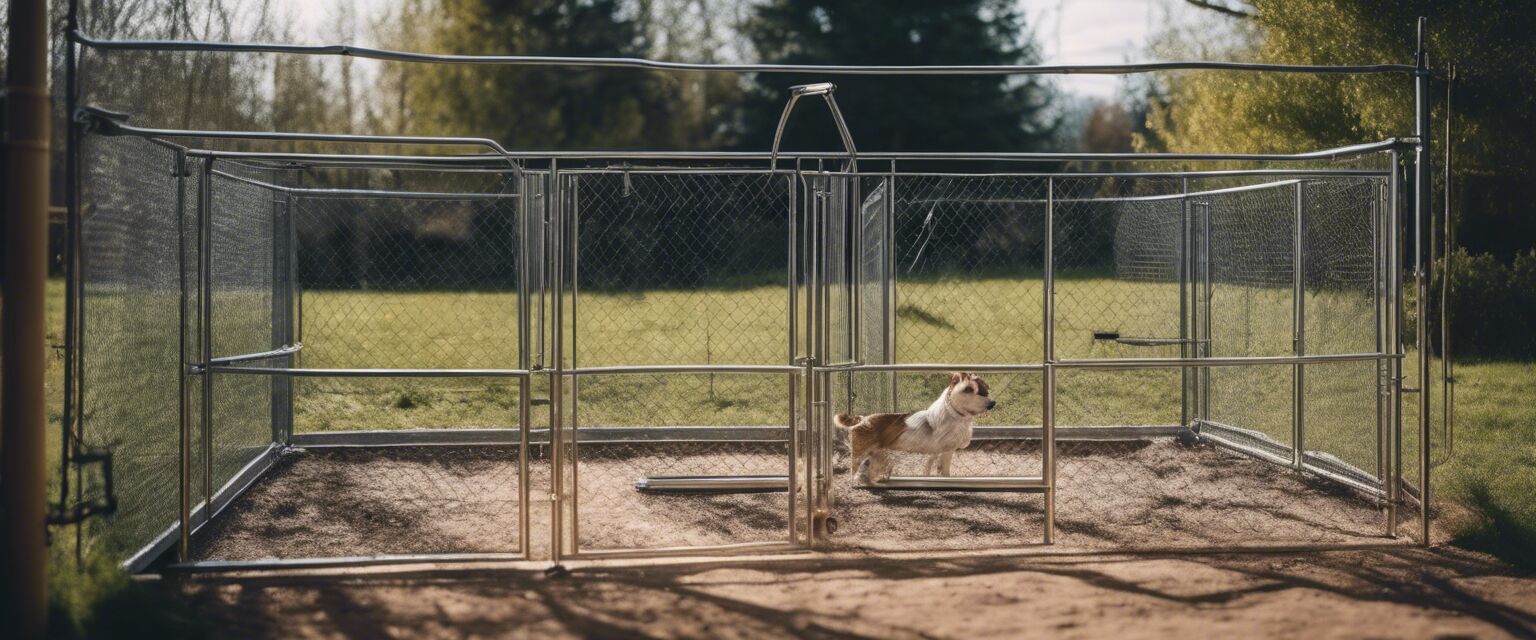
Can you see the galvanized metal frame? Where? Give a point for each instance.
(818, 488)
(809, 269)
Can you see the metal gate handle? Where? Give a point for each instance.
(823, 89)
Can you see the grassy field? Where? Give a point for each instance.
(1489, 482)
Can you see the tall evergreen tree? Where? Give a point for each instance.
(900, 113)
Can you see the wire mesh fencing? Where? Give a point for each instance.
(664, 316)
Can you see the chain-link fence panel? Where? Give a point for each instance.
(130, 205)
(1341, 275)
(676, 268)
(374, 497)
(680, 267)
(1245, 241)
(969, 255)
(407, 282)
(632, 429)
(242, 243)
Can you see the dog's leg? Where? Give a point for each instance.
(879, 466)
(928, 463)
(859, 445)
(944, 459)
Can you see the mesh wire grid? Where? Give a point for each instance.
(132, 300)
(677, 268)
(946, 263)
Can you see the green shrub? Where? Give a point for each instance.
(1492, 306)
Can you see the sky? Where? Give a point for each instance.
(1069, 31)
(1096, 32)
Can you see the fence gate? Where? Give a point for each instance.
(675, 328)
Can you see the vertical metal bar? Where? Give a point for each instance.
(821, 341)
(556, 393)
(72, 424)
(298, 287)
(889, 311)
(1394, 310)
(1421, 208)
(1378, 293)
(1299, 330)
(792, 291)
(1185, 338)
(1447, 367)
(1048, 390)
(205, 324)
(295, 305)
(1207, 305)
(524, 383)
(282, 333)
(183, 389)
(573, 238)
(813, 436)
(855, 262)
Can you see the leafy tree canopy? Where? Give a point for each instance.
(899, 113)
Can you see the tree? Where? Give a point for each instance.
(538, 107)
(900, 113)
(1488, 41)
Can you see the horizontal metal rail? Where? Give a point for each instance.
(675, 552)
(1067, 174)
(932, 367)
(681, 369)
(112, 126)
(662, 65)
(261, 355)
(958, 483)
(369, 373)
(712, 484)
(108, 123)
(496, 163)
(276, 564)
(360, 194)
(683, 434)
(1236, 361)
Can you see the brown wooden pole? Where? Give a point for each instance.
(23, 320)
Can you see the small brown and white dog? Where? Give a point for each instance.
(938, 431)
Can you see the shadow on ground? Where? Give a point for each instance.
(1379, 592)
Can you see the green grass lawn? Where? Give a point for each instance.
(1489, 482)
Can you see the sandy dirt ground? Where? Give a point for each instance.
(1114, 495)
(1404, 592)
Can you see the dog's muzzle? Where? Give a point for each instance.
(990, 404)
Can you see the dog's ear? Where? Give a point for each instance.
(955, 377)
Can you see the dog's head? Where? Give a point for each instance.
(968, 393)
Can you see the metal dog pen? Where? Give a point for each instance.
(838, 286)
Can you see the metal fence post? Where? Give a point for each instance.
(1048, 383)
(1421, 207)
(184, 389)
(1299, 331)
(282, 311)
(1186, 337)
(557, 355)
(205, 324)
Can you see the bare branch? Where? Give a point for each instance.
(1222, 9)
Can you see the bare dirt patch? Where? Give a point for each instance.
(1404, 592)
(1123, 494)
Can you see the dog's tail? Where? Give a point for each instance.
(847, 421)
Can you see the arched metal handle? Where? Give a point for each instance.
(825, 90)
